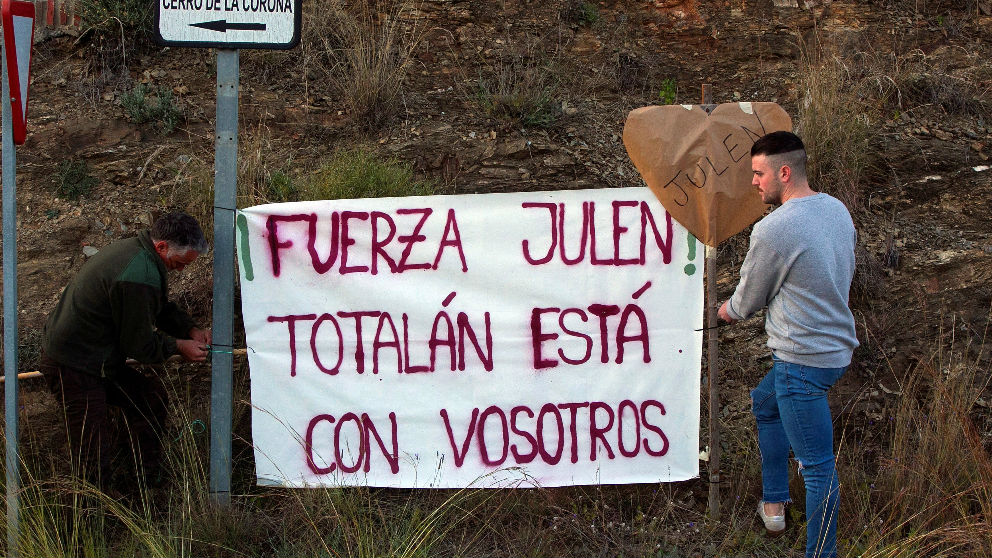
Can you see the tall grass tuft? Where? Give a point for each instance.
(838, 127)
(63, 516)
(520, 86)
(933, 489)
(361, 51)
(263, 170)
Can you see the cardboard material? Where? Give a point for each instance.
(699, 164)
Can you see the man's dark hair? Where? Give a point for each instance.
(784, 148)
(181, 231)
(777, 143)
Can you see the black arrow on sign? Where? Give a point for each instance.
(222, 25)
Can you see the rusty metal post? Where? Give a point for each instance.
(713, 349)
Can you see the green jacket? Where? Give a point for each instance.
(116, 308)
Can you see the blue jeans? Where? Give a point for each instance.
(790, 406)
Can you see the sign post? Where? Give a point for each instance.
(712, 356)
(18, 33)
(225, 202)
(10, 315)
(227, 25)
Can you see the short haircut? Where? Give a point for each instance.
(784, 147)
(181, 231)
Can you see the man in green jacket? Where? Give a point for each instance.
(117, 308)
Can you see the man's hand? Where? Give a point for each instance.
(192, 350)
(202, 335)
(722, 312)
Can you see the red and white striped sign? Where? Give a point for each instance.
(18, 36)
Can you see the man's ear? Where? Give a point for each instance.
(161, 247)
(785, 173)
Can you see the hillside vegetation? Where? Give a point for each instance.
(465, 96)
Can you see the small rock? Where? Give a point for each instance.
(90, 251)
(517, 149)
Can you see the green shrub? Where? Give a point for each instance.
(281, 187)
(143, 105)
(123, 20)
(360, 174)
(580, 12)
(519, 89)
(669, 91)
(588, 13)
(72, 179)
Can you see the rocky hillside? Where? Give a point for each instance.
(519, 95)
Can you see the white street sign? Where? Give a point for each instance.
(270, 24)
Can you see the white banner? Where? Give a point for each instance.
(545, 338)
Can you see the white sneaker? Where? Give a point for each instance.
(774, 524)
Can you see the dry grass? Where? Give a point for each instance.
(928, 494)
(837, 126)
(265, 171)
(940, 6)
(520, 84)
(938, 474)
(360, 53)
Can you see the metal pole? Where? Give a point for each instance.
(10, 313)
(713, 349)
(225, 201)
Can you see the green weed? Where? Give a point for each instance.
(118, 20)
(73, 179)
(668, 92)
(361, 174)
(520, 89)
(157, 106)
(581, 13)
(282, 188)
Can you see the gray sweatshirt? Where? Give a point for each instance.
(800, 264)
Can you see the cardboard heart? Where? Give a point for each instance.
(699, 164)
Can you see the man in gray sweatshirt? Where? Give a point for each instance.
(799, 264)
